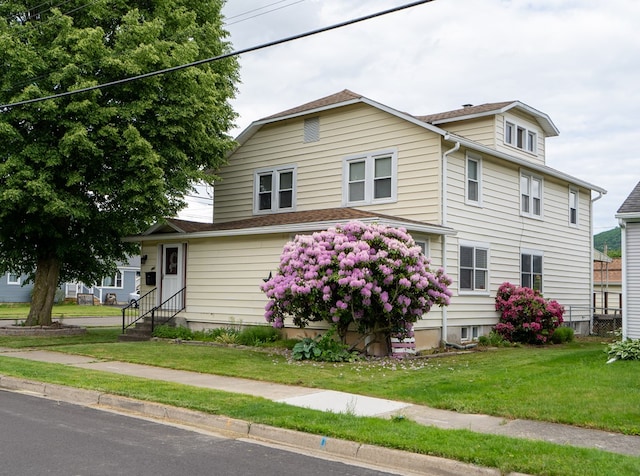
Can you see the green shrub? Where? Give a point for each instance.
(624, 350)
(169, 332)
(258, 335)
(493, 340)
(562, 334)
(323, 348)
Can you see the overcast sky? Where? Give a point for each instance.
(576, 60)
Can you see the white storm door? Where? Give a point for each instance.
(172, 272)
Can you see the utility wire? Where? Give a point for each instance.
(263, 13)
(220, 57)
(259, 8)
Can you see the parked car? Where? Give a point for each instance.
(134, 298)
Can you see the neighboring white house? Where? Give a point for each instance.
(629, 218)
(470, 185)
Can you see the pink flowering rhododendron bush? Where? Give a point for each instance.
(525, 316)
(370, 277)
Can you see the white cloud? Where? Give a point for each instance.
(576, 60)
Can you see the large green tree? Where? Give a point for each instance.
(80, 172)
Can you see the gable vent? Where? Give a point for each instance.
(312, 129)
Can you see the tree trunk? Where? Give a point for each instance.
(44, 292)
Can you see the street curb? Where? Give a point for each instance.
(397, 460)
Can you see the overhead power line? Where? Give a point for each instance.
(220, 57)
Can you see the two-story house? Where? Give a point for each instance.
(470, 185)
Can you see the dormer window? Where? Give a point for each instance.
(520, 137)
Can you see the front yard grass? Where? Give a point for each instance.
(60, 311)
(567, 384)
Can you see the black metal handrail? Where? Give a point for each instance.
(167, 310)
(139, 309)
(145, 308)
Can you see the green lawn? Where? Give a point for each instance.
(570, 384)
(20, 311)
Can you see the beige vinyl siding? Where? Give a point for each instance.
(224, 275)
(481, 130)
(566, 263)
(525, 121)
(350, 130)
(632, 271)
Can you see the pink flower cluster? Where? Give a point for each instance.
(368, 274)
(525, 316)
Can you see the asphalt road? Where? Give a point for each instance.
(40, 436)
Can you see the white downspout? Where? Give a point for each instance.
(625, 288)
(455, 148)
(591, 253)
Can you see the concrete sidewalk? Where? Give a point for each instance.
(340, 402)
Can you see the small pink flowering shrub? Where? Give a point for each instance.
(373, 277)
(525, 316)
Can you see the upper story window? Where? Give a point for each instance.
(370, 178)
(474, 267)
(114, 281)
(13, 278)
(275, 189)
(530, 195)
(573, 206)
(520, 137)
(531, 269)
(473, 184)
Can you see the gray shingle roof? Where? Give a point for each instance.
(276, 219)
(632, 203)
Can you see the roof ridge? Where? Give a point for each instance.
(336, 98)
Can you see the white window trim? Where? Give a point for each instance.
(275, 205)
(478, 160)
(14, 282)
(577, 194)
(485, 246)
(530, 214)
(528, 251)
(369, 159)
(115, 280)
(514, 140)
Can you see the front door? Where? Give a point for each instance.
(172, 273)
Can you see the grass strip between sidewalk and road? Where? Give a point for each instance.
(506, 454)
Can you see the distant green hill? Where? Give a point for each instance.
(613, 240)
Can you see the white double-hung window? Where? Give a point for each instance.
(473, 194)
(474, 267)
(370, 178)
(530, 195)
(531, 269)
(573, 206)
(274, 189)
